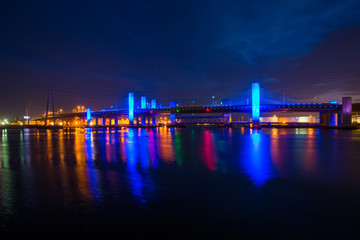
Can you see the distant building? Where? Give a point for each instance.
(79, 109)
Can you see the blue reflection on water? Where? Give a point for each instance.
(256, 159)
(140, 182)
(93, 175)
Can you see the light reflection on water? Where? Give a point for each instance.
(96, 168)
(257, 159)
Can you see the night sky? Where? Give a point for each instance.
(94, 52)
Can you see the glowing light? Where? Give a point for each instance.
(208, 110)
(143, 102)
(255, 102)
(88, 115)
(131, 107)
(153, 103)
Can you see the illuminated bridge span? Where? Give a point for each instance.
(291, 107)
(331, 114)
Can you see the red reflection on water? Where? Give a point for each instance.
(152, 149)
(208, 150)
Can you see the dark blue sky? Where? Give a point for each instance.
(94, 52)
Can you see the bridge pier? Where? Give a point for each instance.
(143, 119)
(346, 111)
(339, 117)
(324, 118)
(333, 119)
(227, 117)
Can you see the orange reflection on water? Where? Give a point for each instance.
(49, 143)
(61, 146)
(242, 130)
(165, 145)
(87, 184)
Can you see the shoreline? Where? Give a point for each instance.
(181, 126)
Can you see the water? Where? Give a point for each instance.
(191, 182)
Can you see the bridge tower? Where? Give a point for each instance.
(255, 103)
(131, 108)
(153, 103)
(88, 116)
(143, 102)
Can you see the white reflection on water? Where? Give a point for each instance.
(6, 176)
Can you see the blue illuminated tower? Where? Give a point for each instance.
(131, 108)
(88, 115)
(153, 103)
(143, 102)
(255, 103)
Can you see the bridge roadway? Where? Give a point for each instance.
(325, 110)
(291, 107)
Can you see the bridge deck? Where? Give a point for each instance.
(294, 107)
(298, 107)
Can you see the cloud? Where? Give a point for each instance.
(264, 29)
(171, 49)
